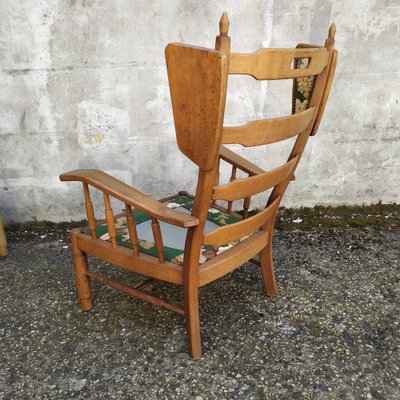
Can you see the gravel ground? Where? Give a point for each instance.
(332, 333)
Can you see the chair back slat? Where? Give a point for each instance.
(278, 63)
(266, 131)
(239, 230)
(246, 187)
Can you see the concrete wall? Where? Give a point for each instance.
(83, 85)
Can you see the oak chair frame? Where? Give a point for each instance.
(201, 137)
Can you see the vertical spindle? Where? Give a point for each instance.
(246, 205)
(217, 176)
(89, 211)
(158, 239)
(110, 220)
(232, 178)
(130, 221)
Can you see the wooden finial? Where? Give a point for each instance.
(224, 24)
(330, 42)
(332, 31)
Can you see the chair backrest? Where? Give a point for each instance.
(198, 84)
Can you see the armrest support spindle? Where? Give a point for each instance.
(246, 205)
(233, 177)
(89, 211)
(132, 229)
(158, 239)
(110, 220)
(217, 177)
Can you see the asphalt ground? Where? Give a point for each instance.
(332, 332)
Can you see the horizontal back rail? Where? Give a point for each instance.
(229, 233)
(232, 258)
(246, 187)
(266, 131)
(278, 63)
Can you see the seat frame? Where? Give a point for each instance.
(201, 137)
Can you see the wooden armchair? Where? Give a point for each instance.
(193, 240)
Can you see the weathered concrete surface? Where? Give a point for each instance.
(83, 84)
(332, 333)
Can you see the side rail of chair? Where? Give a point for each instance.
(132, 198)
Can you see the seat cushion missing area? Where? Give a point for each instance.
(173, 237)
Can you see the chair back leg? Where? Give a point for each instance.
(191, 302)
(267, 269)
(3, 241)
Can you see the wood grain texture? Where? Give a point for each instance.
(266, 131)
(277, 63)
(245, 187)
(121, 191)
(238, 230)
(197, 79)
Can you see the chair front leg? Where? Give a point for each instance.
(83, 286)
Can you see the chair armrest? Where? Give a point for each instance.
(121, 191)
(239, 162)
